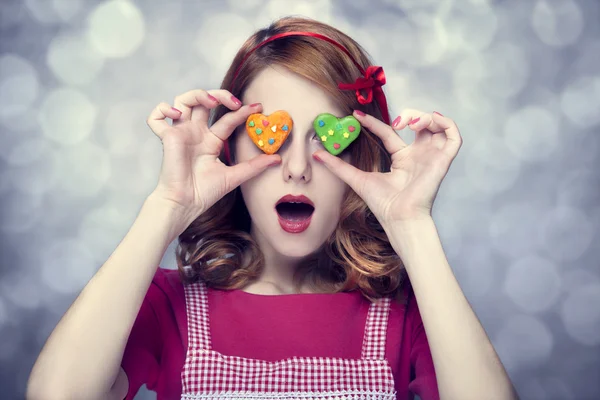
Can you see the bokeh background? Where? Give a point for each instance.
(518, 212)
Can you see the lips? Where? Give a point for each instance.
(294, 207)
(294, 212)
(290, 198)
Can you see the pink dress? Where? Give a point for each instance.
(195, 342)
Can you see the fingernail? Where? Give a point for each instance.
(362, 114)
(435, 112)
(255, 105)
(414, 121)
(236, 100)
(213, 98)
(274, 163)
(397, 120)
(173, 108)
(316, 157)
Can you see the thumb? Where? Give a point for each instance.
(239, 173)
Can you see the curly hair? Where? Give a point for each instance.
(357, 255)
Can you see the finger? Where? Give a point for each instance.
(353, 176)
(156, 120)
(223, 97)
(197, 98)
(421, 125)
(454, 139)
(225, 126)
(239, 173)
(392, 142)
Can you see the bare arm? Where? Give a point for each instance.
(460, 347)
(82, 357)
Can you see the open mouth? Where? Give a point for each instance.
(294, 211)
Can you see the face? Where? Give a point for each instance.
(277, 88)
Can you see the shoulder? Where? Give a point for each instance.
(406, 306)
(167, 279)
(166, 289)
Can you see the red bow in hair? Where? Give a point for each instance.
(372, 81)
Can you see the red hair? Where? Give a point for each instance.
(358, 254)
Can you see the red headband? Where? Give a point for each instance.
(371, 81)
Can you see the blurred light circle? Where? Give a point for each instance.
(13, 14)
(22, 291)
(546, 388)
(506, 70)
(524, 342)
(318, 9)
(101, 227)
(116, 28)
(580, 102)
(3, 313)
(43, 11)
(565, 233)
(72, 59)
(69, 265)
(470, 28)
(28, 151)
(19, 86)
(431, 45)
(35, 172)
(531, 133)
(20, 212)
(557, 23)
(122, 123)
(67, 116)
(149, 160)
(247, 5)
(490, 167)
(533, 283)
(513, 226)
(67, 9)
(84, 170)
(575, 278)
(477, 272)
(5, 181)
(9, 345)
(581, 315)
(377, 22)
(578, 188)
(219, 54)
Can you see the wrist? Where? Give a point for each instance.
(167, 214)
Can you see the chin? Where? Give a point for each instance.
(294, 248)
(299, 245)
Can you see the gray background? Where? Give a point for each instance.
(518, 212)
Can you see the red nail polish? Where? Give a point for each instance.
(236, 100)
(397, 120)
(173, 108)
(316, 157)
(213, 98)
(414, 121)
(362, 114)
(435, 112)
(254, 104)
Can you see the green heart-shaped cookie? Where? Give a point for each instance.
(336, 133)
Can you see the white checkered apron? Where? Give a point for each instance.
(208, 374)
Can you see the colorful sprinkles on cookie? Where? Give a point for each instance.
(336, 133)
(275, 130)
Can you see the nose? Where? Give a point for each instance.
(296, 160)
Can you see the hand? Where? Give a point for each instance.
(408, 191)
(192, 177)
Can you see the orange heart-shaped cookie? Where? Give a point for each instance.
(269, 132)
